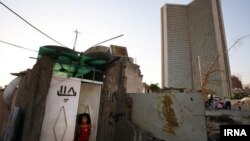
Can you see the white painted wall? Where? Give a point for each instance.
(60, 111)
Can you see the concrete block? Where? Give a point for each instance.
(173, 116)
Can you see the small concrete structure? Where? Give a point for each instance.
(51, 95)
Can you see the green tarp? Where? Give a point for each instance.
(69, 63)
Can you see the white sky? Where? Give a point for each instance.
(98, 20)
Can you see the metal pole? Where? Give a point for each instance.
(199, 63)
(75, 39)
(107, 40)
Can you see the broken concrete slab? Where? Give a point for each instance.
(170, 116)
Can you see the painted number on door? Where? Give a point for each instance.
(66, 91)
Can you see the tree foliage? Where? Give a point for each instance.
(239, 96)
(154, 87)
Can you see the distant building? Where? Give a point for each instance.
(189, 31)
(236, 82)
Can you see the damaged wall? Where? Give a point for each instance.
(170, 116)
(4, 110)
(31, 96)
(120, 78)
(133, 117)
(133, 77)
(113, 85)
(32, 99)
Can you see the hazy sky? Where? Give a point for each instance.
(98, 20)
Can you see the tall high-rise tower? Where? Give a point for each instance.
(193, 44)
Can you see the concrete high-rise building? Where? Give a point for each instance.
(190, 32)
